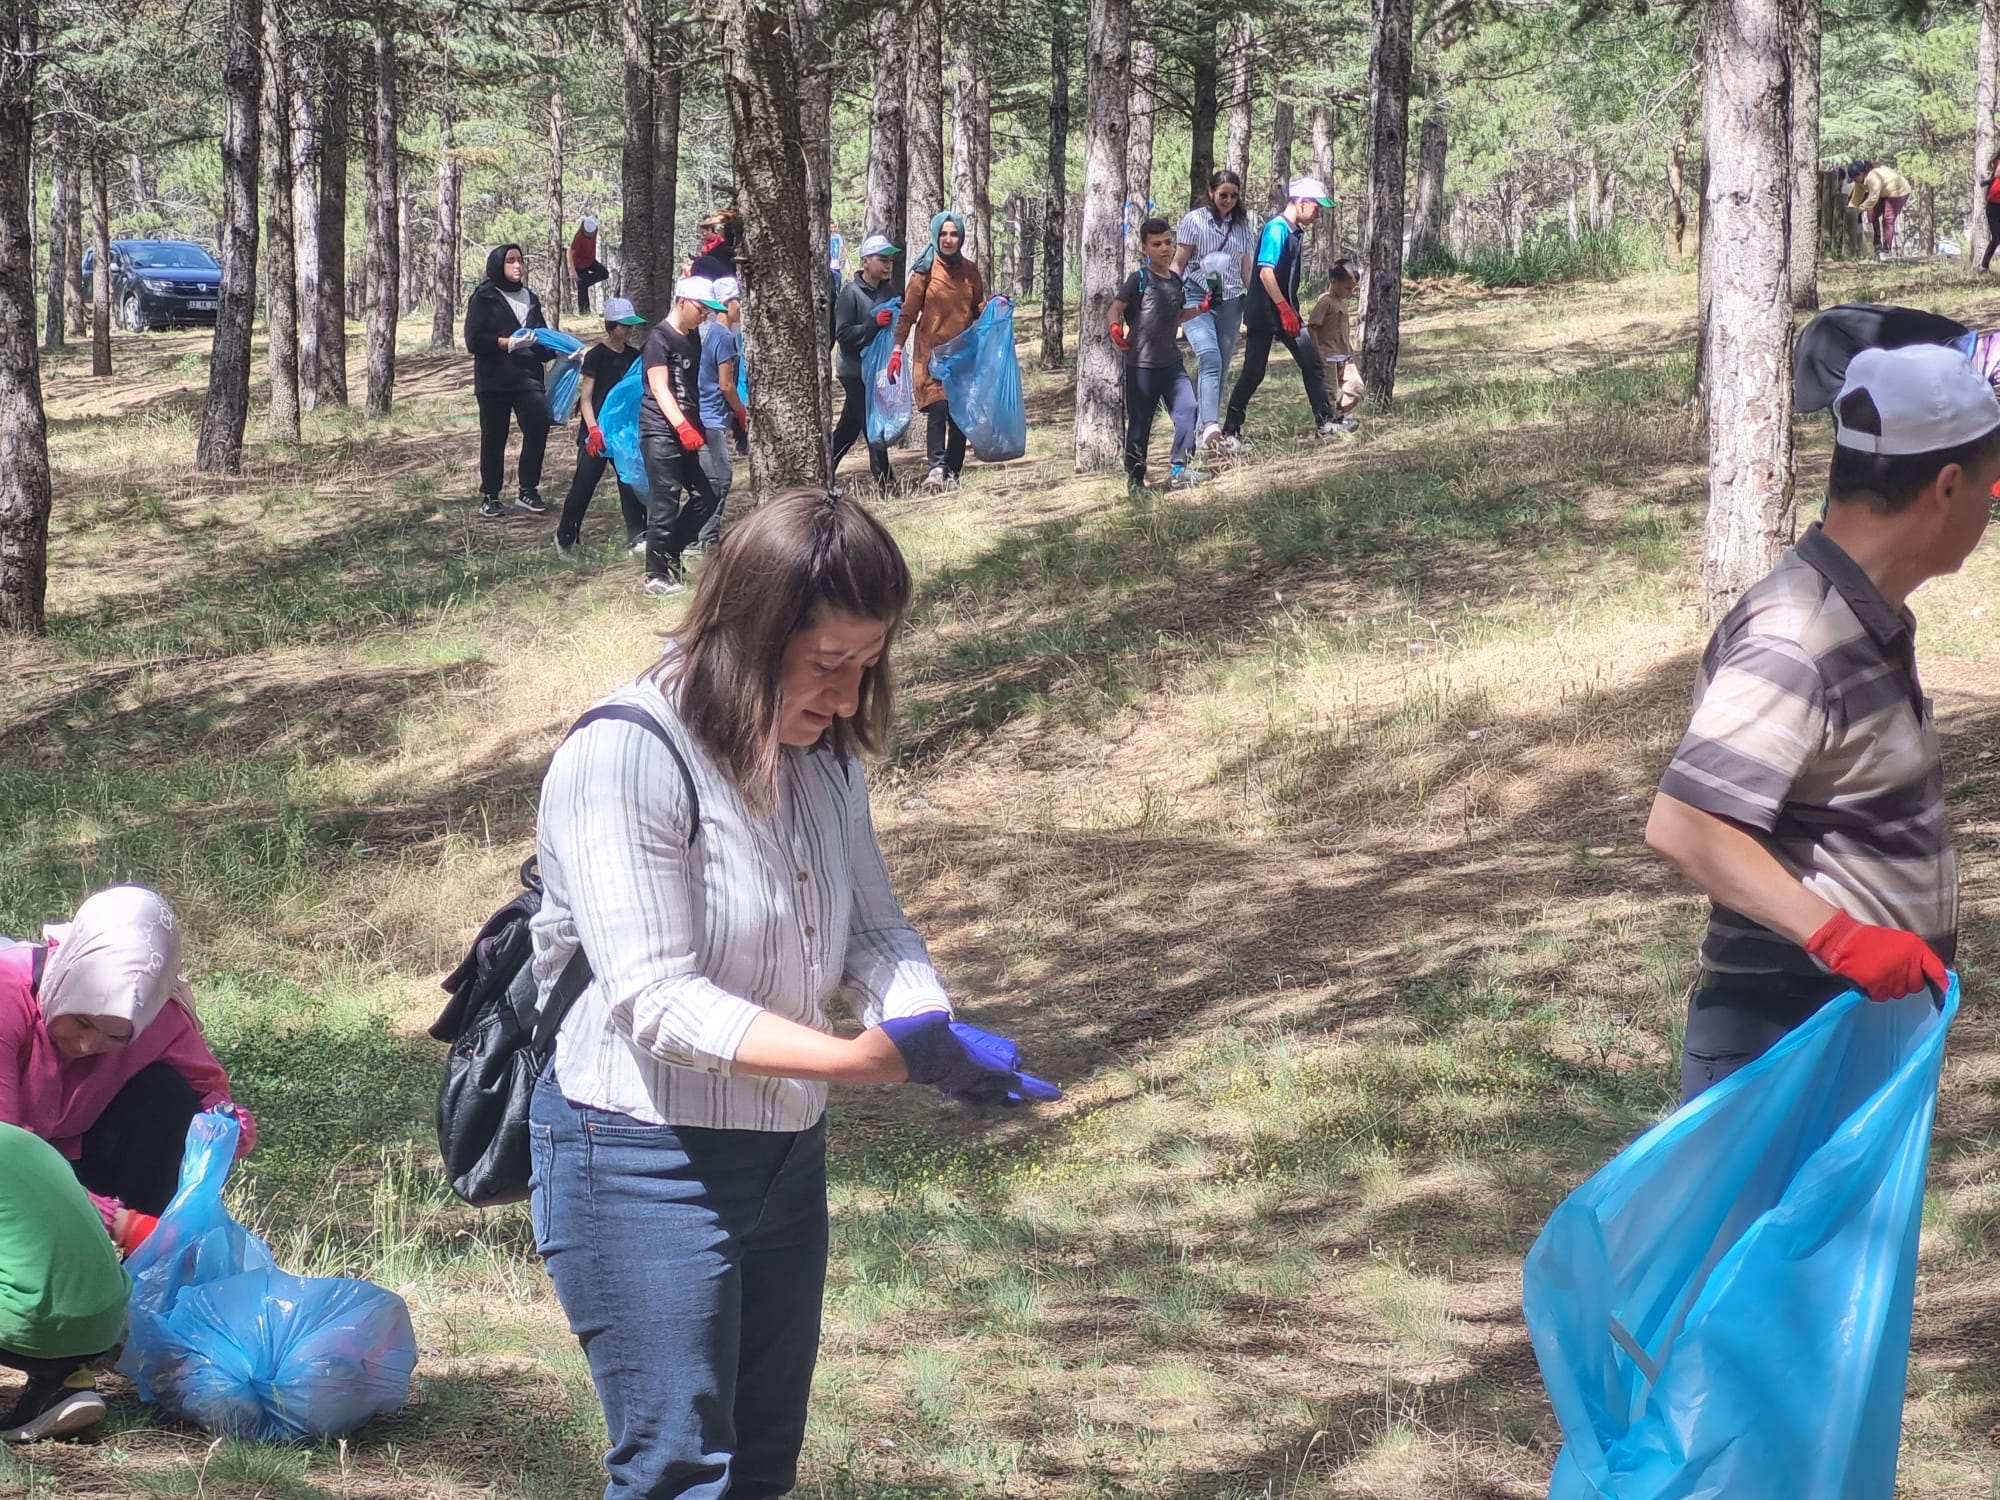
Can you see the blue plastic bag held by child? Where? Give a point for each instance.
(220, 1336)
(618, 417)
(890, 401)
(982, 384)
(562, 395)
(1723, 1311)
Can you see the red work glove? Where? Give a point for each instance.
(884, 316)
(594, 443)
(246, 1138)
(1206, 303)
(131, 1229)
(689, 434)
(1118, 335)
(895, 364)
(1885, 963)
(1288, 319)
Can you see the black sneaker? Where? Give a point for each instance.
(531, 502)
(51, 1407)
(490, 508)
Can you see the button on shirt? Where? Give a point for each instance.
(1810, 728)
(690, 944)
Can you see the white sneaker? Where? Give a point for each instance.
(934, 481)
(637, 547)
(1335, 429)
(565, 549)
(62, 1412)
(665, 586)
(1185, 478)
(1231, 443)
(1211, 436)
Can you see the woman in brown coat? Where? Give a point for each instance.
(945, 295)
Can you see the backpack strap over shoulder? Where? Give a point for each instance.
(632, 714)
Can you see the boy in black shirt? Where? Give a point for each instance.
(670, 435)
(603, 367)
(1156, 299)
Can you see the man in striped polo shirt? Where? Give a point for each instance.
(1807, 798)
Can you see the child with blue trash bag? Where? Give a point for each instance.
(678, 1139)
(1807, 797)
(603, 367)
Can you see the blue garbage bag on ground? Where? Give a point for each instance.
(562, 394)
(981, 377)
(889, 401)
(1723, 1311)
(220, 1336)
(618, 418)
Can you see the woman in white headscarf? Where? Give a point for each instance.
(100, 1052)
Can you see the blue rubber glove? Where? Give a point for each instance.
(964, 1063)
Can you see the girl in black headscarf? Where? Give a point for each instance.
(507, 379)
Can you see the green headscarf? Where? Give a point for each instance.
(938, 221)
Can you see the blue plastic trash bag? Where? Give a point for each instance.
(218, 1335)
(618, 418)
(982, 383)
(1728, 1300)
(562, 395)
(890, 402)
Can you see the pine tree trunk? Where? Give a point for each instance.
(100, 262)
(1804, 221)
(25, 485)
(1388, 147)
(669, 73)
(972, 150)
(1100, 368)
(1140, 123)
(644, 267)
(1202, 110)
(1241, 65)
(305, 207)
(330, 380)
(409, 285)
(444, 269)
(926, 116)
(1281, 154)
(281, 288)
(223, 415)
(556, 298)
(60, 250)
(1983, 142)
(384, 193)
(1677, 218)
(1427, 234)
(1055, 213)
(783, 328)
(817, 63)
(886, 205)
(1746, 333)
(73, 299)
(1326, 229)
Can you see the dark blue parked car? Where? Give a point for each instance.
(159, 283)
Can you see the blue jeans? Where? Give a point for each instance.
(691, 1264)
(1146, 390)
(1212, 336)
(720, 468)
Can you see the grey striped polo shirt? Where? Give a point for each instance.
(1810, 728)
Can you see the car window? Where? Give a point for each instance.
(171, 257)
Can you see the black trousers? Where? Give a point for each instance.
(1257, 356)
(1992, 233)
(530, 409)
(944, 443)
(852, 424)
(1730, 1028)
(133, 1150)
(683, 500)
(587, 278)
(583, 484)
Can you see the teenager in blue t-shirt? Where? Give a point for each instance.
(721, 400)
(1271, 314)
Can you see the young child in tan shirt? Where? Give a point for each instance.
(1330, 334)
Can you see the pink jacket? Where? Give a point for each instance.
(57, 1099)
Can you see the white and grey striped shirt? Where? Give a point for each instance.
(688, 944)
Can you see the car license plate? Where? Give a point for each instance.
(201, 307)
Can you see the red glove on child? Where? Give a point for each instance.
(1288, 319)
(1885, 963)
(131, 1229)
(594, 443)
(1207, 303)
(1118, 335)
(884, 316)
(689, 434)
(895, 364)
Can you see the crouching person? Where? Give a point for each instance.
(717, 864)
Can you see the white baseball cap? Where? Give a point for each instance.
(698, 289)
(1312, 188)
(590, 223)
(878, 244)
(727, 289)
(1920, 399)
(621, 310)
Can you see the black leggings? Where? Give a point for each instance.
(583, 484)
(1257, 356)
(1992, 232)
(133, 1150)
(945, 443)
(671, 470)
(531, 409)
(852, 424)
(586, 278)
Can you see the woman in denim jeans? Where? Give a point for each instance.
(1221, 240)
(677, 1138)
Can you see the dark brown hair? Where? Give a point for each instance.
(799, 553)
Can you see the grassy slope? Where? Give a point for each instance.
(1294, 823)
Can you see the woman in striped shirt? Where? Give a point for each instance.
(678, 1144)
